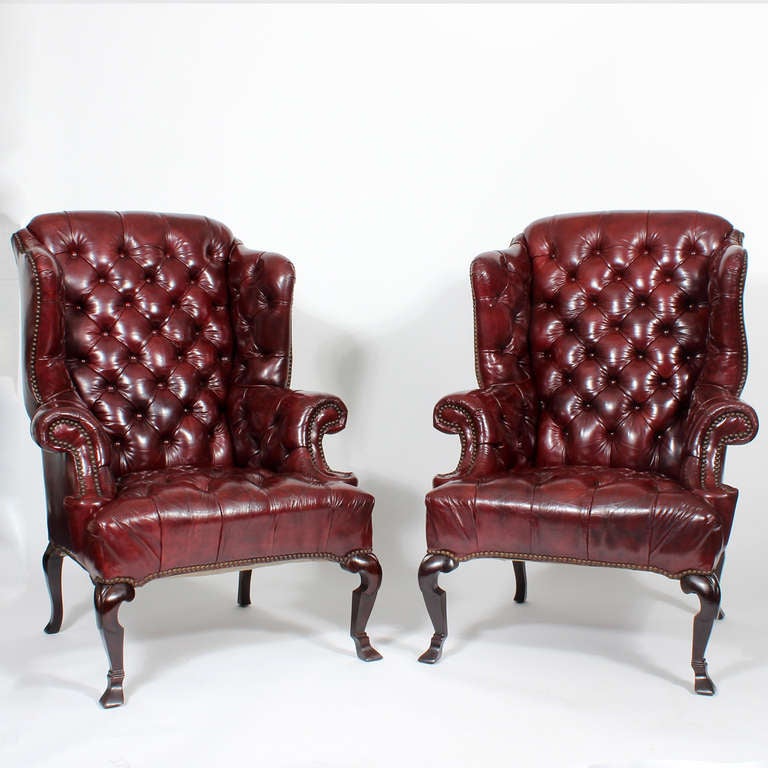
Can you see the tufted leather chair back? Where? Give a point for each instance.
(612, 319)
(142, 304)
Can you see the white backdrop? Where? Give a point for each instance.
(381, 148)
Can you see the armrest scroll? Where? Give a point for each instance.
(717, 419)
(495, 426)
(287, 428)
(65, 425)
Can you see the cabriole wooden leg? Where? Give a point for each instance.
(52, 561)
(363, 599)
(521, 582)
(707, 589)
(244, 588)
(107, 599)
(434, 598)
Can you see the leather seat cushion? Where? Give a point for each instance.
(197, 518)
(590, 515)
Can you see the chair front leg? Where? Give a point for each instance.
(363, 599)
(107, 599)
(434, 598)
(52, 561)
(707, 588)
(244, 588)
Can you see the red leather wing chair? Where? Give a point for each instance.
(610, 354)
(157, 359)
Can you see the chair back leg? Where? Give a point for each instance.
(52, 561)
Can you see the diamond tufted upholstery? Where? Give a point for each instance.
(605, 341)
(157, 360)
(610, 354)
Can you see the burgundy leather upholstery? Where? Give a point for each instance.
(157, 361)
(610, 353)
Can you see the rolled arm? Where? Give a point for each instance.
(717, 419)
(496, 428)
(285, 430)
(64, 424)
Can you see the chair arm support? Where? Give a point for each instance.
(717, 419)
(287, 429)
(495, 426)
(64, 424)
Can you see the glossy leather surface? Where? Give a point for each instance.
(193, 517)
(156, 343)
(602, 515)
(603, 341)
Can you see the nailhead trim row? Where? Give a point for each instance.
(32, 354)
(474, 331)
(449, 428)
(557, 559)
(720, 448)
(72, 450)
(221, 566)
(742, 328)
(322, 464)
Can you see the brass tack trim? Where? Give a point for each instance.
(322, 464)
(452, 428)
(558, 559)
(73, 451)
(232, 564)
(733, 437)
(32, 352)
(742, 327)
